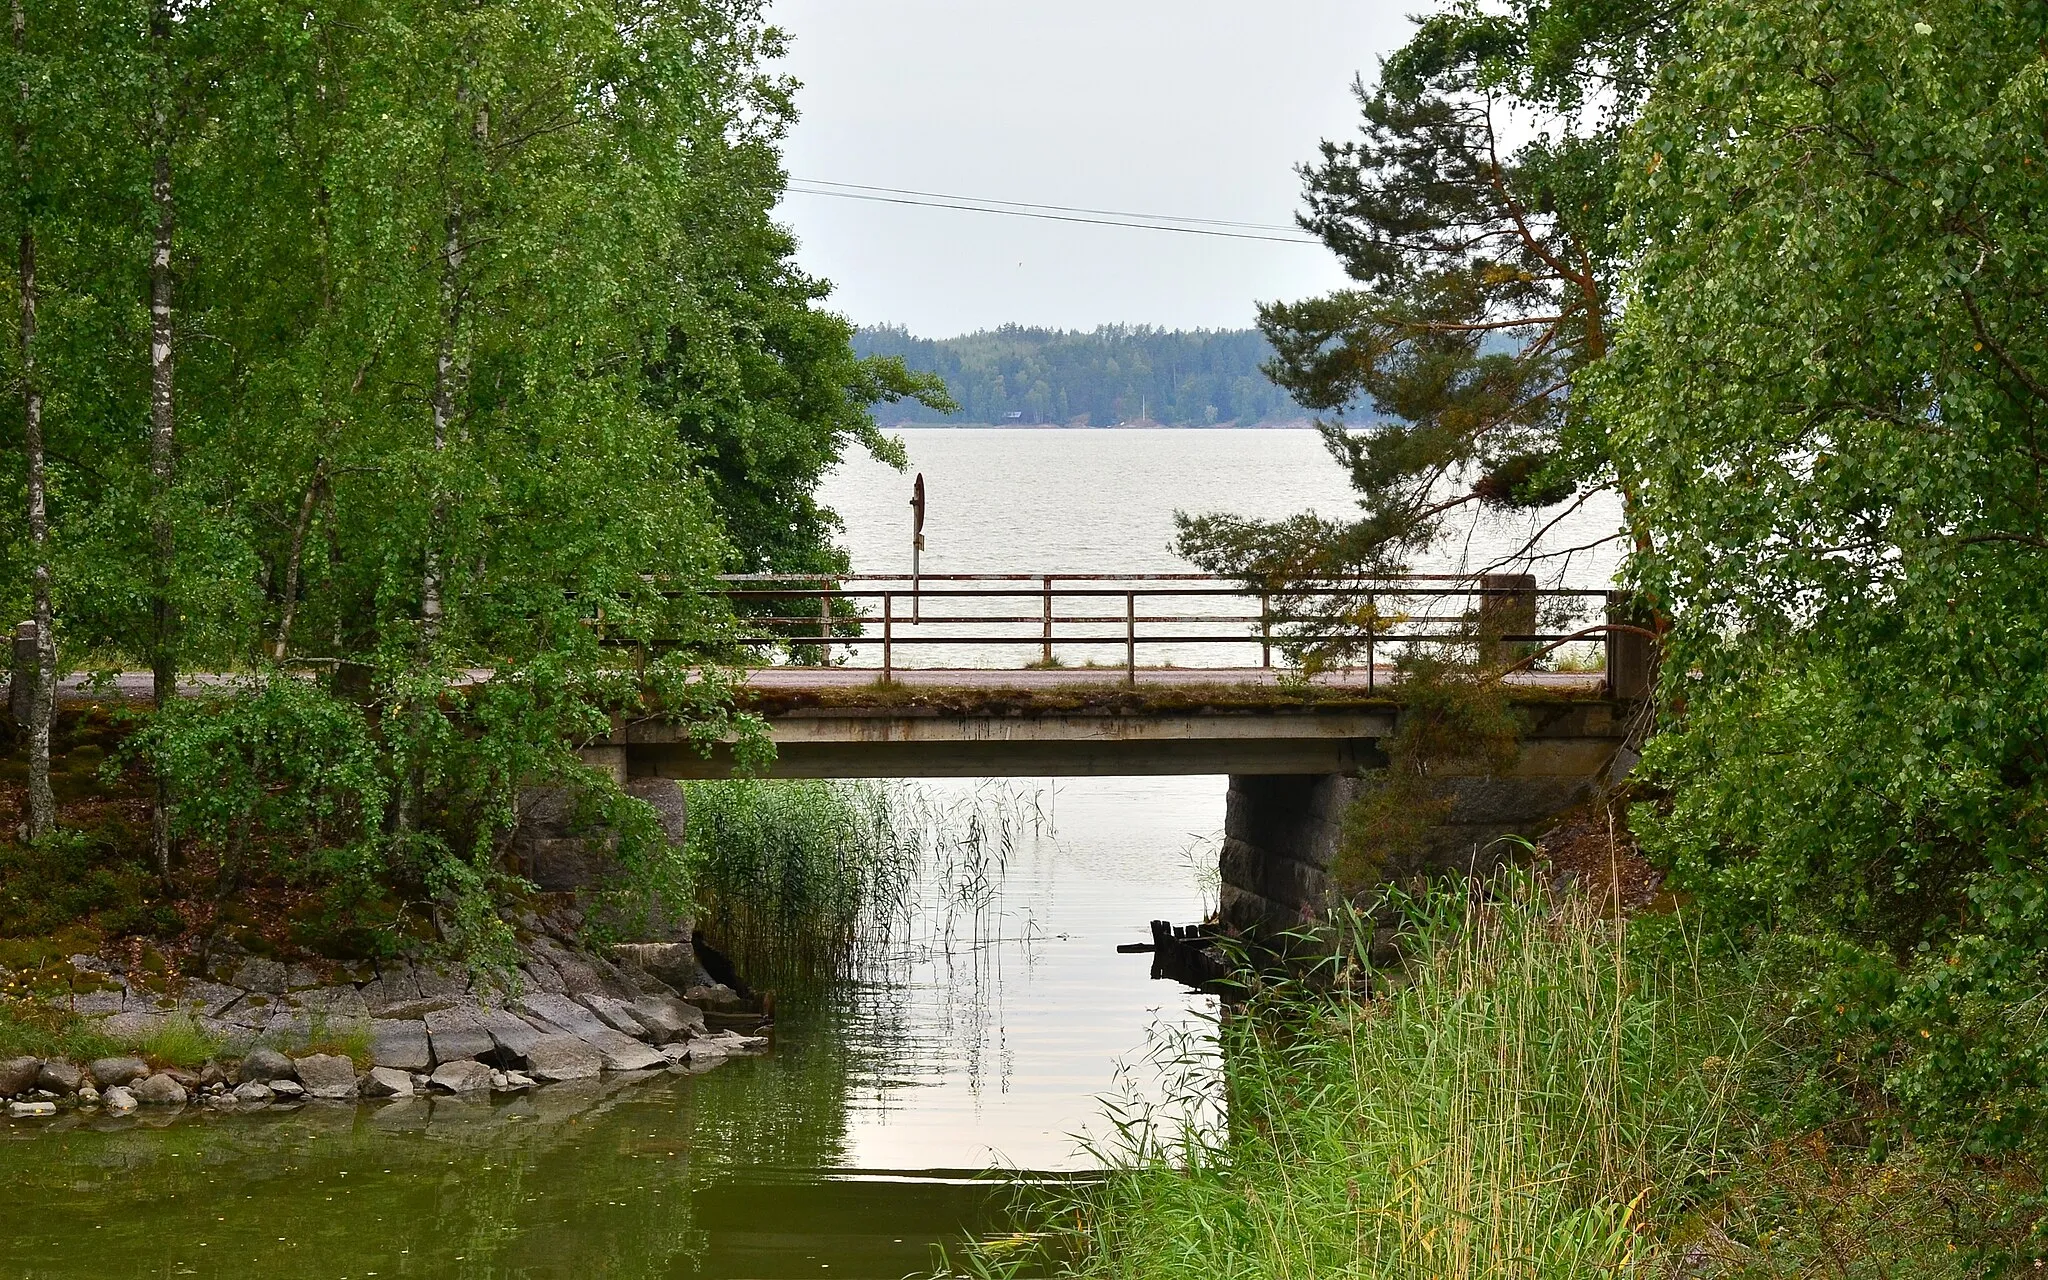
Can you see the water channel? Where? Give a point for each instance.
(1011, 1039)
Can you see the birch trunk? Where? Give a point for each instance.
(162, 420)
(42, 803)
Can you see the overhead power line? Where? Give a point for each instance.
(1049, 213)
(1057, 208)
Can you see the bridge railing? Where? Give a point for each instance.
(1158, 619)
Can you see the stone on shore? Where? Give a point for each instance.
(461, 1077)
(265, 1065)
(18, 1075)
(511, 1035)
(327, 1075)
(252, 1093)
(288, 1090)
(59, 1077)
(400, 1044)
(457, 1033)
(716, 996)
(387, 1082)
(160, 1090)
(561, 1056)
(674, 963)
(119, 1100)
(108, 1072)
(212, 1075)
(31, 1110)
(615, 1014)
(617, 1051)
(667, 1018)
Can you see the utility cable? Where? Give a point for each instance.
(1052, 217)
(1056, 208)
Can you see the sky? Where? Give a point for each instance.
(1190, 108)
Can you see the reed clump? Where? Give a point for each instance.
(1534, 1089)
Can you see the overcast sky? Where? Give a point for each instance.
(1194, 108)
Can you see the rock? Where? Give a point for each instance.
(119, 1100)
(59, 1077)
(461, 1077)
(387, 1082)
(697, 1052)
(160, 1091)
(393, 986)
(92, 1004)
(674, 963)
(288, 1090)
(516, 1080)
(337, 1009)
(18, 1075)
(327, 1075)
(715, 995)
(252, 1093)
(615, 1014)
(734, 1042)
(419, 1081)
(561, 1056)
(258, 974)
(618, 1052)
(498, 1081)
(458, 1033)
(511, 1035)
(266, 1065)
(441, 980)
(87, 1095)
(212, 1075)
(132, 1026)
(182, 1076)
(403, 1045)
(203, 999)
(29, 1110)
(667, 1018)
(300, 978)
(541, 976)
(108, 1072)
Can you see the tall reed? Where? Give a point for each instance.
(1527, 1094)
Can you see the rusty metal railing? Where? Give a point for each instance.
(1157, 611)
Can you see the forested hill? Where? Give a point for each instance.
(1117, 374)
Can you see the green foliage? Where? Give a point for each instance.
(1116, 374)
(1476, 215)
(1538, 1090)
(1831, 382)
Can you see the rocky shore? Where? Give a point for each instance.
(286, 1033)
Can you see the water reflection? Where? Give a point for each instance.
(849, 1151)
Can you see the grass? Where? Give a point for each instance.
(1529, 1095)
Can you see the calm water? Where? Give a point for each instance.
(991, 1039)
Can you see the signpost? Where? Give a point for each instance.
(916, 540)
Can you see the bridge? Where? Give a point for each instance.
(853, 690)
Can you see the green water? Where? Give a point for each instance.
(855, 1148)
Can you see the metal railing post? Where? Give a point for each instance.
(824, 629)
(1130, 637)
(888, 636)
(1045, 654)
(1265, 629)
(1372, 630)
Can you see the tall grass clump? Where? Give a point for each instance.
(794, 876)
(1534, 1088)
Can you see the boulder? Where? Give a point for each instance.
(394, 986)
(212, 1075)
(561, 1056)
(734, 1042)
(31, 1110)
(400, 1044)
(203, 999)
(387, 1082)
(59, 1077)
(119, 1100)
(511, 1035)
(446, 981)
(132, 1026)
(18, 1075)
(458, 1033)
(258, 974)
(298, 977)
(615, 1014)
(252, 1093)
(159, 1091)
(461, 1077)
(618, 1052)
(715, 995)
(667, 1018)
(287, 1090)
(517, 1080)
(108, 1072)
(327, 1075)
(673, 963)
(539, 975)
(266, 1065)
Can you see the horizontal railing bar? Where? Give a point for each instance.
(1060, 577)
(1383, 637)
(795, 593)
(1037, 619)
